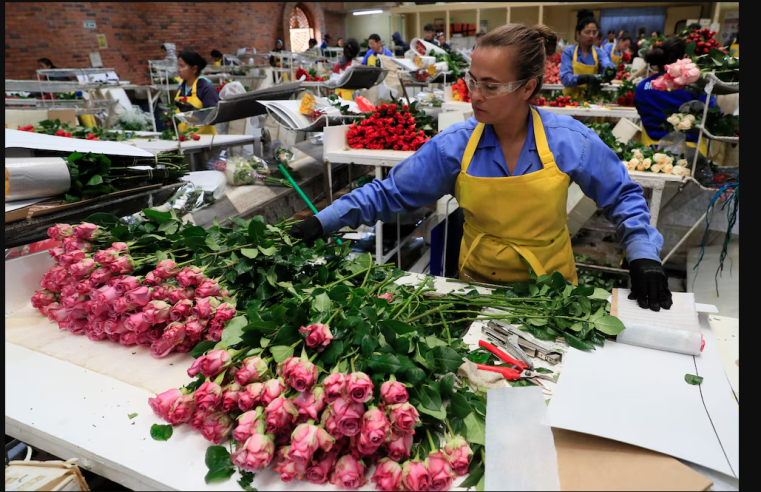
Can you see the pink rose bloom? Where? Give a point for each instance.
(100, 276)
(208, 396)
(217, 427)
(359, 388)
(280, 414)
(310, 403)
(387, 296)
(137, 323)
(399, 447)
(160, 293)
(250, 397)
(317, 335)
(109, 326)
(415, 476)
(203, 308)
(254, 369)
(73, 244)
(162, 403)
(255, 454)
(303, 376)
(271, 389)
(56, 252)
(126, 284)
(151, 280)
(459, 454)
(404, 417)
(108, 296)
(214, 363)
(119, 246)
(144, 339)
(393, 392)
(388, 476)
(114, 337)
(348, 473)
(186, 346)
(77, 326)
(128, 339)
(348, 416)
(190, 276)
(77, 311)
(220, 166)
(83, 268)
(139, 297)
(230, 397)
(173, 336)
(68, 259)
(207, 288)
(85, 231)
(287, 468)
(94, 336)
(335, 386)
(215, 328)
(166, 269)
(195, 327)
(42, 298)
(247, 424)
(181, 310)
(197, 420)
(285, 367)
(56, 312)
(159, 310)
(375, 428)
(60, 230)
(182, 410)
(122, 265)
(305, 440)
(106, 257)
(440, 471)
(225, 312)
(322, 463)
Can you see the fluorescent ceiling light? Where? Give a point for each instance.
(367, 12)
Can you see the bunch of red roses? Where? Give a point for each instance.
(389, 127)
(91, 292)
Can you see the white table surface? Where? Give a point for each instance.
(617, 112)
(206, 141)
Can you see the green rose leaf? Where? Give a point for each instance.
(220, 466)
(202, 347)
(385, 363)
(321, 303)
(447, 386)
(268, 251)
(460, 406)
(233, 331)
(281, 352)
(476, 429)
(600, 294)
(447, 359)
(95, 180)
(212, 244)
(577, 342)
(691, 379)
(473, 478)
(432, 341)
(105, 220)
(157, 216)
(161, 432)
(330, 355)
(398, 327)
(414, 375)
(610, 325)
(249, 252)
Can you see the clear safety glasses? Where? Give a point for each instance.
(492, 89)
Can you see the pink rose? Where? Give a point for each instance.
(173, 336)
(190, 276)
(230, 397)
(166, 269)
(100, 276)
(250, 397)
(214, 363)
(68, 259)
(76, 326)
(126, 284)
(280, 414)
(93, 335)
(399, 447)
(247, 425)
(375, 429)
(139, 297)
(197, 420)
(335, 386)
(60, 230)
(106, 257)
(271, 389)
(286, 467)
(114, 337)
(317, 335)
(415, 476)
(185, 346)
(285, 367)
(181, 310)
(108, 296)
(159, 310)
(319, 471)
(393, 392)
(203, 308)
(160, 293)
(217, 427)
(195, 327)
(254, 369)
(57, 313)
(110, 325)
(162, 403)
(83, 268)
(359, 387)
(215, 330)
(348, 416)
(254, 454)
(73, 244)
(459, 454)
(86, 231)
(303, 376)
(77, 311)
(225, 312)
(137, 323)
(128, 339)
(144, 339)
(310, 403)
(208, 396)
(42, 298)
(404, 417)
(150, 280)
(305, 440)
(207, 288)
(123, 264)
(387, 296)
(388, 475)
(440, 471)
(119, 246)
(348, 473)
(182, 410)
(56, 252)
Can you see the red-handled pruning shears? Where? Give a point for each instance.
(522, 371)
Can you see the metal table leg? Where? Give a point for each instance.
(655, 204)
(379, 225)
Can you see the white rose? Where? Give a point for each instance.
(687, 172)
(682, 162)
(640, 167)
(656, 168)
(646, 163)
(668, 161)
(684, 125)
(678, 170)
(634, 162)
(659, 157)
(674, 119)
(668, 168)
(638, 155)
(689, 117)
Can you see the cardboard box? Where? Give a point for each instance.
(15, 118)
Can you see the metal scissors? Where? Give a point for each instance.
(522, 371)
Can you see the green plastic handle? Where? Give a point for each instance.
(301, 193)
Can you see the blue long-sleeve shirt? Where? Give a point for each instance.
(432, 171)
(370, 53)
(567, 77)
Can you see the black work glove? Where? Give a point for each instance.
(308, 231)
(649, 285)
(588, 79)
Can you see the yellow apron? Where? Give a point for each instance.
(581, 69)
(735, 46)
(218, 63)
(514, 216)
(345, 94)
(614, 58)
(193, 100)
(649, 141)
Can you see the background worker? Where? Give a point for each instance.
(195, 92)
(376, 48)
(581, 64)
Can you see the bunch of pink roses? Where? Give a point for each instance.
(678, 75)
(91, 292)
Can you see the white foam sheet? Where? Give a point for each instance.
(639, 396)
(520, 448)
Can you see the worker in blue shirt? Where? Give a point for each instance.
(611, 38)
(581, 64)
(615, 51)
(325, 40)
(376, 48)
(651, 103)
(509, 168)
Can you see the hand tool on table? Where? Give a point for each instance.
(536, 349)
(508, 342)
(522, 371)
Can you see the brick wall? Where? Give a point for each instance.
(135, 32)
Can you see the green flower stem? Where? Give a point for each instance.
(446, 327)
(343, 279)
(352, 364)
(379, 284)
(449, 427)
(430, 440)
(333, 316)
(367, 275)
(398, 310)
(426, 313)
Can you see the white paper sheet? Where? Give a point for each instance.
(639, 396)
(15, 205)
(28, 140)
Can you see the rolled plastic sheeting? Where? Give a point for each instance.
(428, 47)
(36, 177)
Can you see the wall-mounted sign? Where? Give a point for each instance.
(95, 60)
(89, 24)
(102, 43)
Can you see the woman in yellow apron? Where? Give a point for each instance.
(735, 46)
(616, 49)
(195, 91)
(581, 64)
(509, 167)
(651, 103)
(351, 51)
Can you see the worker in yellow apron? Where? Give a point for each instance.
(577, 69)
(616, 50)
(351, 51)
(735, 46)
(512, 188)
(195, 91)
